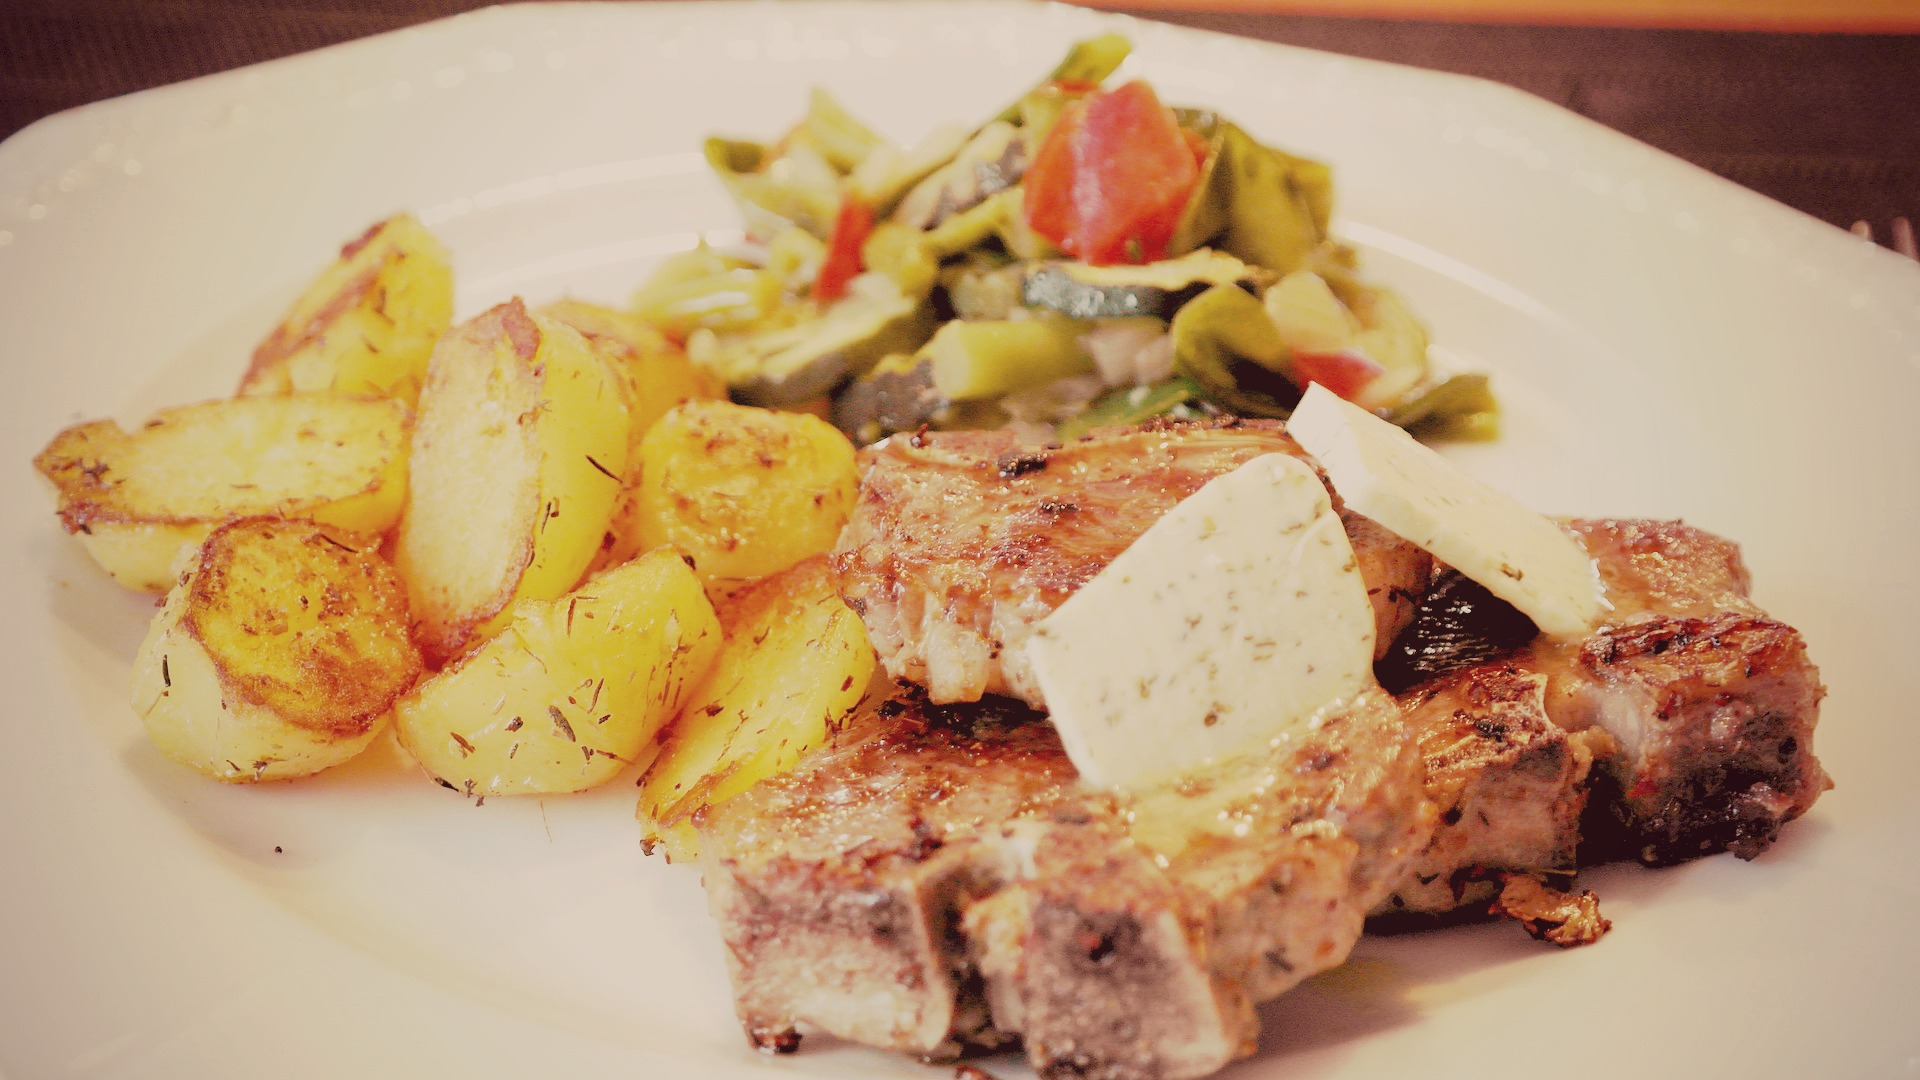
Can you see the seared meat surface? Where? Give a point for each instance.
(937, 878)
(1509, 785)
(1696, 710)
(837, 886)
(1711, 704)
(963, 541)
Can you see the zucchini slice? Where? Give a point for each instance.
(793, 364)
(1080, 291)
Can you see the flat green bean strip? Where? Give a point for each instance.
(805, 193)
(1129, 405)
(726, 300)
(1265, 206)
(1089, 61)
(998, 216)
(1462, 407)
(1223, 340)
(842, 140)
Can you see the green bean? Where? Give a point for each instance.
(1089, 61)
(986, 359)
(1224, 341)
(1462, 407)
(1129, 405)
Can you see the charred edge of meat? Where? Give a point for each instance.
(1012, 466)
(1395, 923)
(1508, 783)
(1706, 811)
(1725, 759)
(1456, 624)
(783, 1040)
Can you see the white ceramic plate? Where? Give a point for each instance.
(1665, 343)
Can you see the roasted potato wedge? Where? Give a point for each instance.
(657, 373)
(280, 652)
(743, 491)
(135, 499)
(796, 661)
(572, 689)
(519, 450)
(657, 376)
(368, 324)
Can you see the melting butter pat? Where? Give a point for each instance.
(1517, 554)
(1235, 617)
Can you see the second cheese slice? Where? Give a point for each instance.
(1235, 616)
(1518, 555)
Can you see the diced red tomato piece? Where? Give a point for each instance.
(1110, 180)
(1048, 202)
(1345, 372)
(842, 262)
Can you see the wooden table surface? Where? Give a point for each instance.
(1826, 122)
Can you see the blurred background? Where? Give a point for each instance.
(1815, 103)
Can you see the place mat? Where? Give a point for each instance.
(1856, 16)
(1821, 122)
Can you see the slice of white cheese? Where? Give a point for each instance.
(1236, 616)
(1519, 555)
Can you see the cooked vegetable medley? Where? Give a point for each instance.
(1088, 256)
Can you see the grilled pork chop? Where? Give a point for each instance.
(1696, 709)
(937, 878)
(963, 541)
(1711, 704)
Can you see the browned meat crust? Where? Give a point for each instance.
(1697, 710)
(962, 541)
(1510, 787)
(936, 861)
(1714, 722)
(1711, 705)
(836, 886)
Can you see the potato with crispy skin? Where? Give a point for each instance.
(742, 491)
(368, 324)
(658, 376)
(136, 499)
(572, 689)
(518, 453)
(280, 652)
(796, 661)
(657, 372)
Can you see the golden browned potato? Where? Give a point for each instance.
(572, 689)
(519, 449)
(136, 499)
(657, 376)
(796, 661)
(280, 652)
(744, 491)
(658, 373)
(368, 324)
